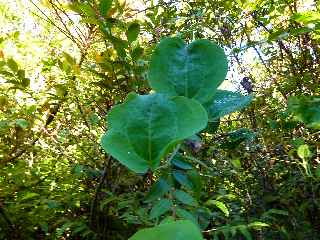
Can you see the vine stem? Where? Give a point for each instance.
(171, 157)
(200, 162)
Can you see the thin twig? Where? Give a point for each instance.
(170, 158)
(81, 33)
(47, 19)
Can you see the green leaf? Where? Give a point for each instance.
(318, 171)
(179, 230)
(225, 102)
(25, 82)
(21, 74)
(278, 35)
(106, 201)
(105, 6)
(184, 197)
(133, 31)
(144, 129)
(12, 65)
(306, 109)
(22, 123)
(168, 219)
(277, 212)
(244, 231)
(304, 151)
(52, 204)
(29, 195)
(120, 45)
(160, 208)
(236, 163)
(69, 59)
(94, 118)
(160, 188)
(184, 214)
(136, 53)
(258, 225)
(74, 7)
(196, 182)
(307, 17)
(219, 205)
(87, 9)
(182, 179)
(194, 70)
(178, 161)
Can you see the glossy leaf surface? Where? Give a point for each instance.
(225, 102)
(194, 70)
(144, 128)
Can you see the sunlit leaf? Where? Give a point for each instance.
(225, 102)
(194, 70)
(105, 6)
(258, 225)
(304, 151)
(12, 65)
(219, 205)
(22, 123)
(133, 31)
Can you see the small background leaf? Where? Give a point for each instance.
(304, 151)
(22, 123)
(225, 102)
(185, 198)
(219, 205)
(105, 6)
(133, 31)
(160, 208)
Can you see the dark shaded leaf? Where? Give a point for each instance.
(160, 208)
(133, 31)
(158, 189)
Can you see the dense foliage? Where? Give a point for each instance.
(112, 125)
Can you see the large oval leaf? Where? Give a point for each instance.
(225, 102)
(193, 71)
(179, 230)
(144, 128)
